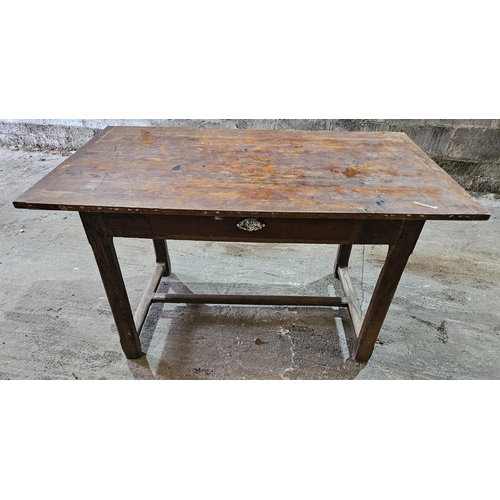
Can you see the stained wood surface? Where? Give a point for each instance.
(112, 279)
(353, 304)
(188, 171)
(387, 283)
(143, 308)
(276, 300)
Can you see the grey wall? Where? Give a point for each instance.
(469, 150)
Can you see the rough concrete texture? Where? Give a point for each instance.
(469, 150)
(55, 322)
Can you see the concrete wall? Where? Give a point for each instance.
(469, 150)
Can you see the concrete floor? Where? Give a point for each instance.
(444, 322)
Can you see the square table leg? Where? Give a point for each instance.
(162, 256)
(112, 279)
(388, 280)
(342, 259)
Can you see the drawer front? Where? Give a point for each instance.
(272, 230)
(261, 229)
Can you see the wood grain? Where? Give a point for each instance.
(112, 279)
(353, 304)
(276, 300)
(187, 171)
(386, 286)
(162, 255)
(143, 308)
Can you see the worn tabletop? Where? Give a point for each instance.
(196, 171)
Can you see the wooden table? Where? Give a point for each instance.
(340, 188)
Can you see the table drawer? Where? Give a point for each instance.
(261, 229)
(264, 229)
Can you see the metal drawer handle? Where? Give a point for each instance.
(250, 225)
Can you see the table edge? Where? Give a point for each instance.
(270, 214)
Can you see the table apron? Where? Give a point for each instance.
(274, 230)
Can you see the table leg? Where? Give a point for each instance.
(388, 280)
(342, 259)
(109, 268)
(162, 256)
